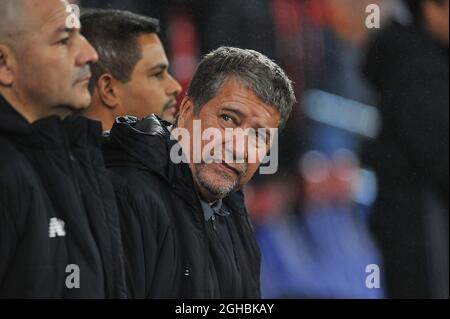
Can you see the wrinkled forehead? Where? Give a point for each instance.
(43, 16)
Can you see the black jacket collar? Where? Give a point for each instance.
(50, 132)
(11, 121)
(141, 144)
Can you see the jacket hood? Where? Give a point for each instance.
(143, 144)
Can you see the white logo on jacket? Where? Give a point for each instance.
(56, 228)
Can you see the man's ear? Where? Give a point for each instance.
(186, 111)
(107, 90)
(6, 72)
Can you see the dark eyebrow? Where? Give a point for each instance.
(159, 67)
(238, 112)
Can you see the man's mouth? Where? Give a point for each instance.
(87, 78)
(171, 105)
(230, 169)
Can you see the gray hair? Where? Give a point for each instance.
(262, 75)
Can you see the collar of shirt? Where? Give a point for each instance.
(216, 209)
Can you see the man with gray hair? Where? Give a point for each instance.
(189, 231)
(59, 229)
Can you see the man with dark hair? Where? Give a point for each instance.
(188, 225)
(59, 225)
(131, 76)
(408, 66)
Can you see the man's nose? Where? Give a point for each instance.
(174, 87)
(237, 147)
(87, 54)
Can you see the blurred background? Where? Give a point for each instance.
(363, 176)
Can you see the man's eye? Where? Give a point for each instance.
(64, 41)
(159, 75)
(226, 118)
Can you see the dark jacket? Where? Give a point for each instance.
(411, 158)
(162, 221)
(57, 208)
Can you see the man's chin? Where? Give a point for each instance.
(82, 102)
(168, 116)
(217, 185)
(76, 107)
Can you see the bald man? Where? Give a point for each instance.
(59, 233)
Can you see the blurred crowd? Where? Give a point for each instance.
(363, 176)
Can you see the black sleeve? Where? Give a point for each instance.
(10, 210)
(149, 244)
